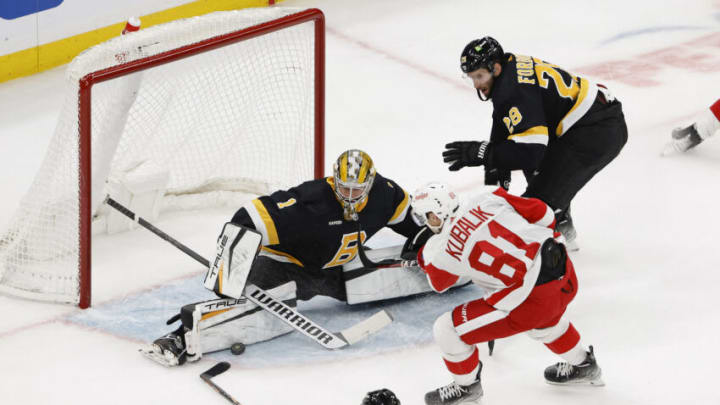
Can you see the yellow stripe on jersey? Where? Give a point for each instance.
(585, 100)
(400, 211)
(538, 134)
(289, 257)
(267, 220)
(214, 313)
(538, 130)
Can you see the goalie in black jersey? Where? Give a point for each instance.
(306, 235)
(558, 128)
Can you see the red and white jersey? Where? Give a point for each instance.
(495, 240)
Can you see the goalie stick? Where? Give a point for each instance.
(215, 371)
(276, 307)
(369, 264)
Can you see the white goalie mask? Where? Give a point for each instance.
(436, 198)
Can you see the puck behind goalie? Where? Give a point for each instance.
(237, 349)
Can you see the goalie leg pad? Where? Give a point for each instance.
(370, 285)
(237, 248)
(217, 324)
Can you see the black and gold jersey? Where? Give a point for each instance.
(534, 102)
(304, 224)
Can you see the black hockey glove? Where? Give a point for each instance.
(466, 153)
(497, 177)
(413, 245)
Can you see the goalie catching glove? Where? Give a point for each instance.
(236, 251)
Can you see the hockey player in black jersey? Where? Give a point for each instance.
(308, 233)
(558, 128)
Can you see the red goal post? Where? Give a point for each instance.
(238, 97)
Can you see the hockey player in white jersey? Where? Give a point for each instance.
(507, 245)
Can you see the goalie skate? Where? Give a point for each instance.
(168, 350)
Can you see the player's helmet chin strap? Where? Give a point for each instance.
(480, 95)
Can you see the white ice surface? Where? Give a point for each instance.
(647, 225)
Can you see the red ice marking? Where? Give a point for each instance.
(698, 55)
(391, 56)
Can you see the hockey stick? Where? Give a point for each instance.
(214, 371)
(276, 307)
(369, 264)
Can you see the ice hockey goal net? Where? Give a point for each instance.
(225, 102)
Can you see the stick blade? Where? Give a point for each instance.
(217, 369)
(367, 327)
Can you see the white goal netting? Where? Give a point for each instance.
(237, 118)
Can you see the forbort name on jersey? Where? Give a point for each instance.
(525, 69)
(460, 232)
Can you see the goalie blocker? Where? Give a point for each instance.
(237, 248)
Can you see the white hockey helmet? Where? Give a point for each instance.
(437, 198)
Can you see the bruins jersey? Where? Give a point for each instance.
(534, 103)
(304, 225)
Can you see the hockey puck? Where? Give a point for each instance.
(237, 349)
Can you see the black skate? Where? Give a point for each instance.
(168, 350)
(454, 394)
(566, 374)
(682, 140)
(566, 228)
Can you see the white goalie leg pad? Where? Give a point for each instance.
(368, 285)
(220, 323)
(236, 251)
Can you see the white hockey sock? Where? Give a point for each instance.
(707, 122)
(576, 355)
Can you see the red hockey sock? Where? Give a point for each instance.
(715, 108)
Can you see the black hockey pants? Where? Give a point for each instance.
(571, 160)
(267, 273)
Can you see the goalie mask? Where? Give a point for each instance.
(436, 198)
(354, 173)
